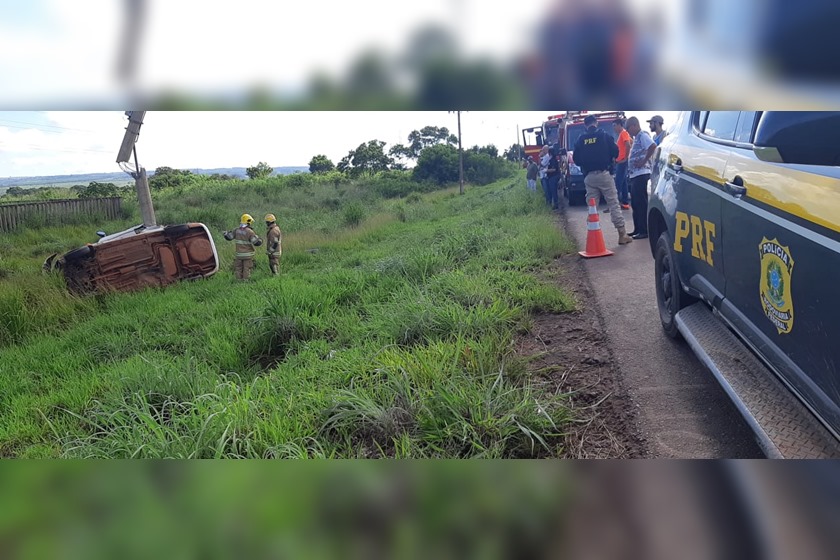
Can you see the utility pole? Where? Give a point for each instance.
(144, 197)
(460, 157)
(127, 57)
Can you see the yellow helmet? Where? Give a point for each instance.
(246, 219)
(270, 218)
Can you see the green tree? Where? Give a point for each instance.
(489, 150)
(320, 164)
(514, 153)
(401, 151)
(259, 171)
(167, 178)
(437, 163)
(367, 159)
(96, 190)
(427, 136)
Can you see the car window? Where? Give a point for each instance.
(700, 121)
(743, 133)
(721, 124)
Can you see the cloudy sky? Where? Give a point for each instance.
(59, 143)
(213, 46)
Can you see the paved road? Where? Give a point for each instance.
(683, 412)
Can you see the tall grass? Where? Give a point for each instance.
(393, 338)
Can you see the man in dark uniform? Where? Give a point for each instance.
(595, 153)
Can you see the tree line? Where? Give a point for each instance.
(434, 153)
(429, 157)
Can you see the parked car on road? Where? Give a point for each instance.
(744, 216)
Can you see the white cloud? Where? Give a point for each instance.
(88, 141)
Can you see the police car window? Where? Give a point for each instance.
(743, 133)
(721, 124)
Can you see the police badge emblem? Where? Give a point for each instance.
(774, 284)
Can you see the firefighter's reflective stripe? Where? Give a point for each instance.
(246, 245)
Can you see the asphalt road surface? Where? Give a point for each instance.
(683, 412)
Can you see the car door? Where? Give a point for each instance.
(695, 167)
(781, 247)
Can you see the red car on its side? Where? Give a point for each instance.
(138, 258)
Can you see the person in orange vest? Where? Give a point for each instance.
(274, 238)
(245, 239)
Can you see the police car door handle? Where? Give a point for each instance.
(676, 165)
(734, 189)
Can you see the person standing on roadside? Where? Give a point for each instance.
(543, 161)
(553, 177)
(657, 128)
(531, 174)
(624, 143)
(639, 165)
(594, 152)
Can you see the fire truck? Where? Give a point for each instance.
(563, 130)
(572, 180)
(548, 133)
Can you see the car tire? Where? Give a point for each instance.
(78, 254)
(670, 297)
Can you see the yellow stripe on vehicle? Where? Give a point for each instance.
(806, 195)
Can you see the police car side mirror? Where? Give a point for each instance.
(803, 137)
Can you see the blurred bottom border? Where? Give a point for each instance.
(441, 509)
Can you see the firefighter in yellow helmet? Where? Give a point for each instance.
(273, 238)
(246, 239)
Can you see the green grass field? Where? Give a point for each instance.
(390, 333)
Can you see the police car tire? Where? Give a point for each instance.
(670, 297)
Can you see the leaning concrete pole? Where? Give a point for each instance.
(141, 183)
(144, 197)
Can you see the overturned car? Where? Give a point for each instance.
(137, 258)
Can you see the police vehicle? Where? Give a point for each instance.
(744, 223)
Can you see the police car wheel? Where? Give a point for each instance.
(670, 297)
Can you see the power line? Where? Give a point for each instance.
(47, 149)
(4, 125)
(41, 126)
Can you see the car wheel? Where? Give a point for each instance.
(670, 297)
(80, 253)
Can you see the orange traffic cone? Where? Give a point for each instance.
(595, 246)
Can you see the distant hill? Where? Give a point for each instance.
(119, 177)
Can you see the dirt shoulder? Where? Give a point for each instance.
(571, 352)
